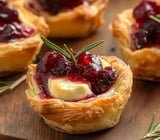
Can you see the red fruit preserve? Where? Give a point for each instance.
(146, 29)
(87, 70)
(11, 28)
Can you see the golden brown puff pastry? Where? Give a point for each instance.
(143, 62)
(15, 56)
(80, 22)
(88, 115)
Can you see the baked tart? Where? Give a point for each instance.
(68, 18)
(138, 34)
(20, 40)
(78, 93)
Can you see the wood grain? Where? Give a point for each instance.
(18, 119)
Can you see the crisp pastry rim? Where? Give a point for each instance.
(78, 117)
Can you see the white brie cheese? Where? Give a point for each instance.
(64, 89)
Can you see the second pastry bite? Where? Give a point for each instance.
(70, 19)
(19, 37)
(138, 36)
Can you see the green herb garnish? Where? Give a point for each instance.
(55, 47)
(68, 52)
(4, 86)
(153, 130)
(155, 18)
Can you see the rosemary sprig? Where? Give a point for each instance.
(88, 47)
(71, 53)
(68, 52)
(4, 86)
(153, 130)
(55, 47)
(155, 18)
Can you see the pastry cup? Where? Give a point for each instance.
(16, 56)
(85, 116)
(143, 62)
(80, 22)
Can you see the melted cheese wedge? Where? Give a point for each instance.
(64, 89)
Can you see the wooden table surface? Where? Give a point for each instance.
(18, 119)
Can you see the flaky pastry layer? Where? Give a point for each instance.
(91, 115)
(16, 56)
(143, 62)
(80, 22)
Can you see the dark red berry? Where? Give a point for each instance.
(8, 14)
(55, 6)
(103, 79)
(11, 27)
(91, 64)
(147, 33)
(3, 3)
(144, 9)
(55, 63)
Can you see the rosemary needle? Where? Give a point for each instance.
(11, 85)
(155, 18)
(153, 130)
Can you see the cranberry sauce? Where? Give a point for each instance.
(88, 68)
(11, 27)
(56, 6)
(146, 30)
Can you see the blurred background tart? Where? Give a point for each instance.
(20, 40)
(137, 31)
(69, 18)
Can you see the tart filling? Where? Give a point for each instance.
(55, 6)
(11, 27)
(146, 29)
(59, 77)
